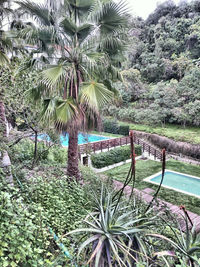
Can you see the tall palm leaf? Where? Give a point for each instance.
(82, 37)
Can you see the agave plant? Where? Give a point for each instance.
(83, 41)
(186, 245)
(115, 236)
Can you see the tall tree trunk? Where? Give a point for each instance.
(72, 165)
(3, 127)
(4, 157)
(35, 149)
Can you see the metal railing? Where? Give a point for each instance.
(120, 141)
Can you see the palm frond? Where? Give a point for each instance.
(54, 75)
(112, 17)
(66, 111)
(38, 11)
(4, 60)
(82, 6)
(68, 26)
(83, 31)
(95, 95)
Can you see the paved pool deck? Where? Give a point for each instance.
(161, 205)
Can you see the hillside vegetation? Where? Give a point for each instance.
(162, 74)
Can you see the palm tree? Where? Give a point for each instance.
(83, 41)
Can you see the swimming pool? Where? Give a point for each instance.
(180, 182)
(83, 138)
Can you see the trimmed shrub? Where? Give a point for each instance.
(113, 156)
(111, 126)
(124, 130)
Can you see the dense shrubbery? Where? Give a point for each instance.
(112, 126)
(115, 155)
(24, 238)
(27, 214)
(165, 102)
(64, 203)
(24, 151)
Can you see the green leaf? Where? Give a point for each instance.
(53, 75)
(95, 95)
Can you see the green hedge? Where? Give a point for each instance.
(124, 130)
(112, 126)
(113, 156)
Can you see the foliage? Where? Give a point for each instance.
(24, 236)
(161, 74)
(27, 214)
(124, 130)
(115, 155)
(64, 204)
(112, 126)
(187, 244)
(24, 152)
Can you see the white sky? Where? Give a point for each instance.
(140, 8)
(143, 8)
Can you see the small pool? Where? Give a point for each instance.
(83, 138)
(180, 182)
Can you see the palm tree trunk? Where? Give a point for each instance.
(72, 166)
(4, 157)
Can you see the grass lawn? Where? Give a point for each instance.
(147, 168)
(177, 132)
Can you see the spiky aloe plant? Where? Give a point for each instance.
(186, 245)
(114, 235)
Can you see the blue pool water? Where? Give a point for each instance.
(82, 138)
(176, 181)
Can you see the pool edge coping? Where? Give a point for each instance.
(148, 179)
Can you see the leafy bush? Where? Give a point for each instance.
(112, 126)
(127, 114)
(26, 215)
(63, 202)
(24, 151)
(115, 155)
(124, 130)
(24, 238)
